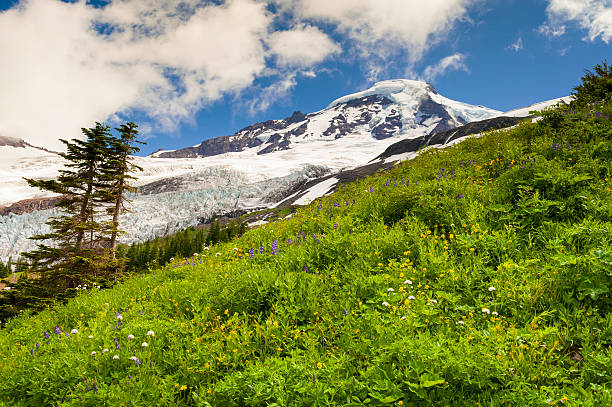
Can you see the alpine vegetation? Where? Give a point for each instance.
(478, 274)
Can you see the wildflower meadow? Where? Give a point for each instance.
(474, 275)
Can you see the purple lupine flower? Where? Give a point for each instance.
(57, 330)
(452, 174)
(66, 333)
(262, 250)
(47, 334)
(140, 312)
(305, 268)
(37, 344)
(31, 351)
(274, 248)
(251, 252)
(335, 225)
(460, 196)
(344, 311)
(151, 364)
(95, 386)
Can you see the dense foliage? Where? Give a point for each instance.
(475, 275)
(596, 86)
(162, 250)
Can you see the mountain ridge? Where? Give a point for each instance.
(393, 108)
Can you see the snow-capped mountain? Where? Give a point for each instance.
(294, 160)
(390, 109)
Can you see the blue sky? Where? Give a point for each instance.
(192, 70)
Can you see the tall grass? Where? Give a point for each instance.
(475, 275)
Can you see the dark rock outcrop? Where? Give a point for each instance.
(445, 137)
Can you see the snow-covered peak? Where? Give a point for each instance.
(394, 89)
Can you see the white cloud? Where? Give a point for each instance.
(516, 46)
(66, 65)
(593, 16)
(550, 31)
(385, 28)
(271, 93)
(302, 46)
(454, 62)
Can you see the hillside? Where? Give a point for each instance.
(478, 274)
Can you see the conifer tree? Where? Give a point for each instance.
(116, 171)
(75, 232)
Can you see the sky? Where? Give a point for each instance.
(190, 70)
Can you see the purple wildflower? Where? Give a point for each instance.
(262, 250)
(305, 269)
(460, 196)
(344, 311)
(57, 330)
(274, 246)
(251, 253)
(335, 225)
(47, 335)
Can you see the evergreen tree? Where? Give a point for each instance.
(116, 171)
(75, 233)
(596, 86)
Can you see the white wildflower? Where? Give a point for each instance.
(105, 350)
(116, 357)
(130, 337)
(411, 297)
(390, 290)
(408, 282)
(93, 353)
(150, 333)
(491, 289)
(385, 303)
(486, 311)
(144, 344)
(74, 332)
(460, 322)
(494, 313)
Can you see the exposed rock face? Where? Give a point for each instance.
(29, 205)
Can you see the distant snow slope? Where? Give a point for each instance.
(524, 112)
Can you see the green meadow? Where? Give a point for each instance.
(474, 275)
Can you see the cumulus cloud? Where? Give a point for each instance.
(67, 65)
(385, 28)
(302, 46)
(593, 16)
(454, 62)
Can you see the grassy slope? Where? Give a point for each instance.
(486, 286)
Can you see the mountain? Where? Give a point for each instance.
(277, 162)
(390, 109)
